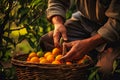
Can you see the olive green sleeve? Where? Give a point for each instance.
(57, 7)
(111, 29)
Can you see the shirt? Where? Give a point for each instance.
(105, 12)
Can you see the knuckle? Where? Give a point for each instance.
(54, 35)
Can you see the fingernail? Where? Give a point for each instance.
(65, 40)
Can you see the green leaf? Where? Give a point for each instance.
(94, 68)
(23, 11)
(21, 38)
(27, 27)
(114, 65)
(117, 70)
(31, 43)
(97, 76)
(35, 2)
(93, 75)
(7, 39)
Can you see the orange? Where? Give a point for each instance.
(44, 61)
(56, 62)
(84, 59)
(28, 59)
(46, 54)
(58, 57)
(41, 58)
(81, 61)
(87, 57)
(68, 63)
(50, 58)
(32, 54)
(56, 51)
(34, 59)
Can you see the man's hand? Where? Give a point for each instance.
(59, 30)
(79, 48)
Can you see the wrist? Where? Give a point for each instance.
(57, 20)
(97, 40)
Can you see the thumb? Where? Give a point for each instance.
(67, 57)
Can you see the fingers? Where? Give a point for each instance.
(73, 53)
(67, 56)
(64, 36)
(59, 31)
(56, 37)
(78, 56)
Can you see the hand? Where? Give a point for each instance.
(59, 30)
(78, 48)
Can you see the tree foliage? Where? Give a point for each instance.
(20, 20)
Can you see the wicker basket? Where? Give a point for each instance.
(36, 71)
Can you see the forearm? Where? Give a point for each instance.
(96, 40)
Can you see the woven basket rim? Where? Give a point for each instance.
(17, 62)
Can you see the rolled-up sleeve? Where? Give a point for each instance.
(111, 29)
(57, 7)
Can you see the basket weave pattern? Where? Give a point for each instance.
(36, 71)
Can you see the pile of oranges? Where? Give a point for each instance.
(50, 57)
